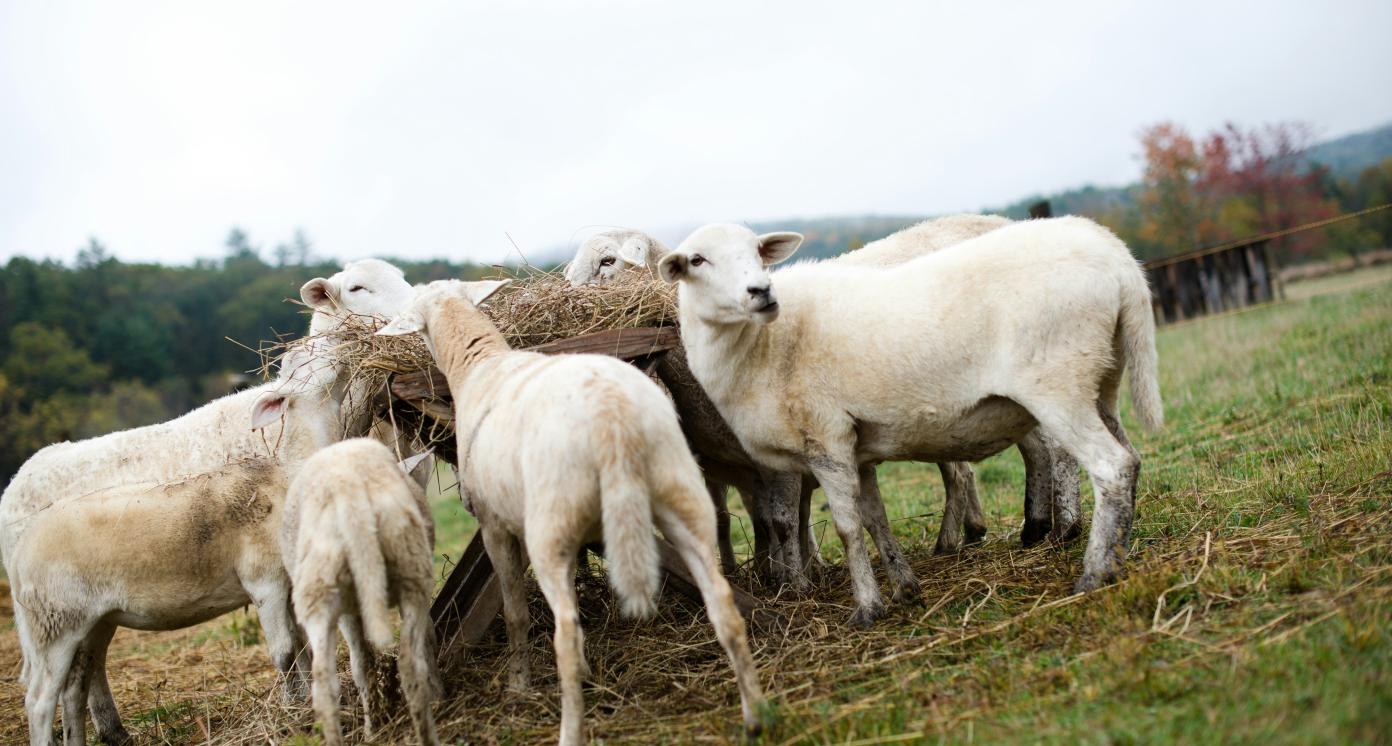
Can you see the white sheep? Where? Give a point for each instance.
(560, 451)
(1051, 476)
(203, 441)
(604, 255)
(208, 544)
(357, 538)
(952, 356)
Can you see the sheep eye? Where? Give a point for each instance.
(355, 288)
(607, 261)
(697, 260)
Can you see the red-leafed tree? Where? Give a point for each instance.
(1234, 183)
(1258, 180)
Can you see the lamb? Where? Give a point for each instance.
(357, 537)
(560, 451)
(1030, 325)
(208, 545)
(212, 437)
(604, 255)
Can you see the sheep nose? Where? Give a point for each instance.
(759, 292)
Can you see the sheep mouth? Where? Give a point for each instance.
(768, 308)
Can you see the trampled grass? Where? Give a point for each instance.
(1256, 607)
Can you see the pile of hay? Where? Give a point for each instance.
(538, 307)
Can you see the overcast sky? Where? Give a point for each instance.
(437, 129)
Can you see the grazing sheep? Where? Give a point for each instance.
(604, 255)
(560, 451)
(952, 356)
(203, 441)
(357, 537)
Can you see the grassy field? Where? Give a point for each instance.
(1256, 608)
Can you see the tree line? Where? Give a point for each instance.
(103, 345)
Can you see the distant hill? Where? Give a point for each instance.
(1348, 155)
(825, 237)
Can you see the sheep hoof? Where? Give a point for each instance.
(1091, 581)
(1034, 532)
(121, 737)
(908, 595)
(864, 617)
(975, 534)
(946, 547)
(1067, 534)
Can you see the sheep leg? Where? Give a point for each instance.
(1039, 488)
(684, 524)
(100, 703)
(415, 664)
(1068, 507)
(783, 493)
(763, 535)
(1113, 468)
(718, 492)
(962, 523)
(272, 599)
(841, 483)
(811, 553)
(553, 558)
(350, 626)
(510, 565)
(872, 512)
(48, 673)
(323, 645)
(75, 695)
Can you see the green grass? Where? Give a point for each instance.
(1263, 519)
(1278, 453)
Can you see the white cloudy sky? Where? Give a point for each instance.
(437, 129)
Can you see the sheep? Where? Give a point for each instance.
(604, 255)
(1051, 476)
(357, 537)
(199, 442)
(1029, 325)
(559, 451)
(208, 543)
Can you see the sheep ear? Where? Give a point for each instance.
(634, 251)
(673, 267)
(478, 292)
(268, 409)
(577, 272)
(775, 247)
(408, 322)
(409, 464)
(320, 294)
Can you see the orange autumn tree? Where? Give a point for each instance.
(1234, 183)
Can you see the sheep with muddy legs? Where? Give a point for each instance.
(1052, 508)
(1030, 325)
(357, 538)
(770, 500)
(603, 458)
(200, 442)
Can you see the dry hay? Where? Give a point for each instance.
(537, 308)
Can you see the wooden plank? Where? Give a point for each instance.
(637, 344)
(470, 599)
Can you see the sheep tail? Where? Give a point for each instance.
(1138, 342)
(630, 547)
(369, 570)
